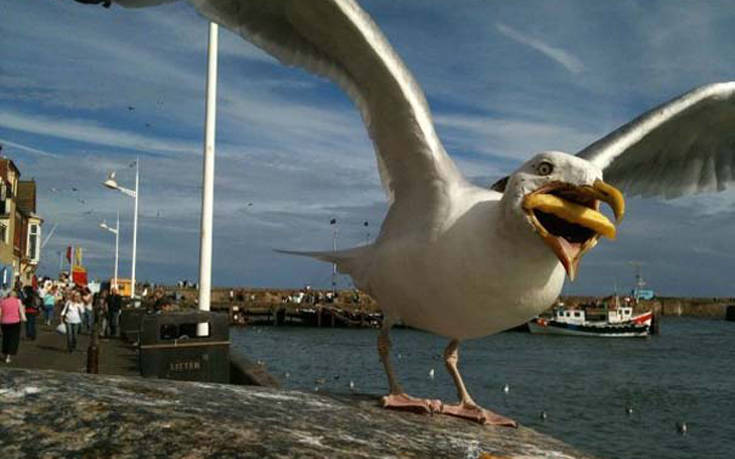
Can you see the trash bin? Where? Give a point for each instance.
(129, 323)
(171, 349)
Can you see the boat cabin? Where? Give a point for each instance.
(581, 316)
(570, 316)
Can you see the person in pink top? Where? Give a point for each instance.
(11, 315)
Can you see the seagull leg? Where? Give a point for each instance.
(467, 408)
(397, 399)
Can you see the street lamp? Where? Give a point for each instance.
(112, 184)
(116, 232)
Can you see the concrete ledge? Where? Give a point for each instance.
(49, 413)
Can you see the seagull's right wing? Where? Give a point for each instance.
(338, 40)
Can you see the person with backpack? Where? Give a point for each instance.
(32, 304)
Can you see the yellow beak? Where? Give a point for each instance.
(582, 213)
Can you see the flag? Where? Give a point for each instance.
(333, 221)
(68, 254)
(79, 275)
(78, 257)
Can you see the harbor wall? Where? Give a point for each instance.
(353, 301)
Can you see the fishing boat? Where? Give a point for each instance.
(610, 322)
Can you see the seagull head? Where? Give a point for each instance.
(559, 196)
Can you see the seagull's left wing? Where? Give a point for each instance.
(338, 40)
(685, 146)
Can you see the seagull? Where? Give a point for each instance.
(460, 260)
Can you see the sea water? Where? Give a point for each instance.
(607, 397)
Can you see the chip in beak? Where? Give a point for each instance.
(567, 218)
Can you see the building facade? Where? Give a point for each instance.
(20, 226)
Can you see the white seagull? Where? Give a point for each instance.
(453, 258)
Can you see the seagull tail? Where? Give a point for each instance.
(354, 261)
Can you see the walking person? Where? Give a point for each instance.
(72, 316)
(31, 302)
(114, 305)
(100, 313)
(49, 301)
(88, 316)
(11, 315)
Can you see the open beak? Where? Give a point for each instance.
(567, 218)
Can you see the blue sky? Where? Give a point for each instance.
(84, 90)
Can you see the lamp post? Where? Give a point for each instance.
(205, 241)
(112, 184)
(116, 232)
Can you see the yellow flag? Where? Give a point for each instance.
(78, 257)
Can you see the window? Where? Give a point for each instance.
(33, 243)
(3, 199)
(3, 233)
(577, 314)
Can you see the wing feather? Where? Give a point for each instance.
(685, 146)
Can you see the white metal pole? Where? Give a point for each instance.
(205, 248)
(117, 248)
(135, 230)
(334, 265)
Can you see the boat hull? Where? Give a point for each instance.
(551, 327)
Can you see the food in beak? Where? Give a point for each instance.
(567, 218)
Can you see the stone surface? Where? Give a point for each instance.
(71, 414)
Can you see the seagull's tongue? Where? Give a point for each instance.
(567, 253)
(570, 249)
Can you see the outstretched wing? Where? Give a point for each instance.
(338, 40)
(684, 146)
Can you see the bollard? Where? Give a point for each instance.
(730, 313)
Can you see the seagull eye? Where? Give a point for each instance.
(545, 168)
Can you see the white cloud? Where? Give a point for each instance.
(561, 56)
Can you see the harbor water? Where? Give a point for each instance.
(608, 397)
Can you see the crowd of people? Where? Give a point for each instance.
(74, 308)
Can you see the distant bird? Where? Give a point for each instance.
(81, 201)
(506, 389)
(681, 427)
(352, 385)
(453, 258)
(131, 108)
(431, 374)
(543, 415)
(74, 189)
(629, 411)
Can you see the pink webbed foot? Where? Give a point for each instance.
(408, 403)
(477, 414)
